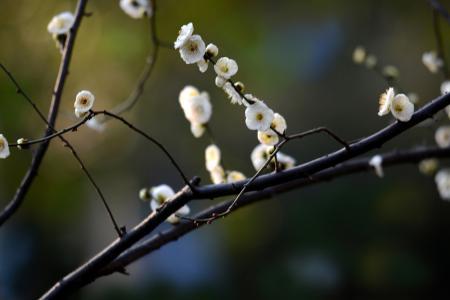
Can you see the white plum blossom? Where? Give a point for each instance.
(187, 93)
(61, 23)
(175, 218)
(234, 176)
(402, 109)
(217, 175)
(442, 180)
(226, 67)
(232, 94)
(212, 50)
(442, 136)
(268, 137)
(136, 8)
(285, 161)
(385, 102)
(260, 155)
(445, 87)
(220, 81)
(197, 129)
(279, 123)
(432, 61)
(184, 34)
(376, 163)
(212, 157)
(96, 125)
(202, 65)
(258, 116)
(428, 166)
(161, 194)
(83, 103)
(4, 147)
(359, 55)
(193, 49)
(198, 109)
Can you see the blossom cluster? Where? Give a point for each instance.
(197, 109)
(399, 105)
(258, 116)
(214, 166)
(158, 197)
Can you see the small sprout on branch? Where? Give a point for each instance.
(136, 9)
(4, 147)
(211, 50)
(442, 136)
(22, 143)
(428, 166)
(144, 194)
(376, 163)
(432, 61)
(83, 103)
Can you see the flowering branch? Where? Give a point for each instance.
(147, 71)
(347, 168)
(87, 273)
(91, 114)
(38, 156)
(66, 144)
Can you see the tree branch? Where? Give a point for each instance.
(32, 171)
(88, 271)
(354, 166)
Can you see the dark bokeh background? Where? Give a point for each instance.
(358, 237)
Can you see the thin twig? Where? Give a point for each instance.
(91, 115)
(66, 144)
(440, 43)
(88, 272)
(350, 167)
(38, 156)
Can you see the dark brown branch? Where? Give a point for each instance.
(66, 144)
(437, 6)
(147, 72)
(87, 273)
(440, 43)
(38, 156)
(357, 165)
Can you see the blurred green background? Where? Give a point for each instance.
(358, 237)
